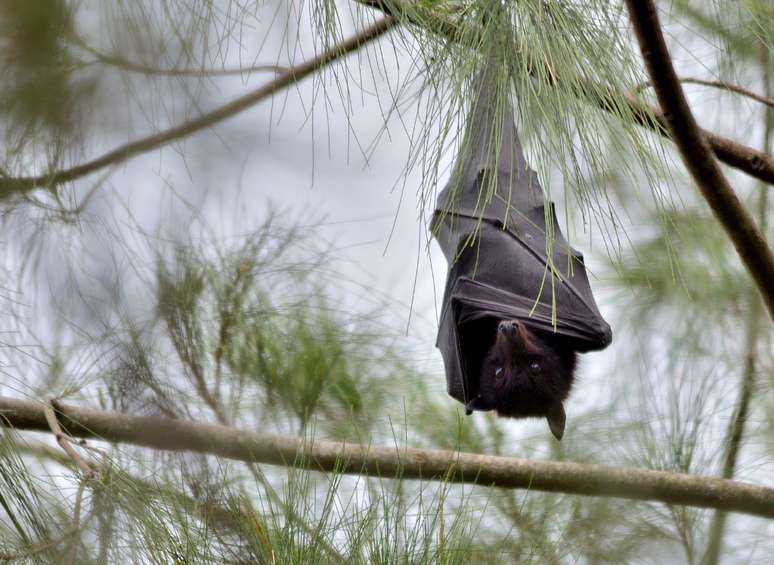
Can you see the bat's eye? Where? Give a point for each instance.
(534, 367)
(499, 372)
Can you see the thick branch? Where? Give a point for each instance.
(13, 185)
(755, 163)
(388, 462)
(695, 150)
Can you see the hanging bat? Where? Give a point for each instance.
(517, 305)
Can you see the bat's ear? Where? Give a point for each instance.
(556, 419)
(478, 404)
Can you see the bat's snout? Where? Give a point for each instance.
(515, 333)
(511, 328)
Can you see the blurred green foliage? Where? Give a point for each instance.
(40, 93)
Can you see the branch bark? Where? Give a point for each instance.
(391, 462)
(755, 163)
(697, 155)
(64, 441)
(15, 185)
(722, 85)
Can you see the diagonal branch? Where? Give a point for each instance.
(64, 440)
(391, 462)
(696, 152)
(722, 85)
(755, 163)
(13, 185)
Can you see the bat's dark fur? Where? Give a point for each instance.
(508, 335)
(524, 373)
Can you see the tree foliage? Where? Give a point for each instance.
(151, 283)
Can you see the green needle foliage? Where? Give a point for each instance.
(21, 499)
(244, 336)
(250, 331)
(552, 71)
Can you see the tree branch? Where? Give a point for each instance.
(13, 185)
(389, 462)
(695, 150)
(755, 163)
(720, 84)
(64, 441)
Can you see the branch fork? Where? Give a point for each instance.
(65, 441)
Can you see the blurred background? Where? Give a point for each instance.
(274, 271)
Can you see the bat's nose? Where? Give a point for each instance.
(509, 327)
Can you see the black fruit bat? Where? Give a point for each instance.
(512, 321)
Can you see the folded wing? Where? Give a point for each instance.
(507, 256)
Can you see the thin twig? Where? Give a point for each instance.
(736, 427)
(64, 440)
(127, 65)
(388, 462)
(723, 85)
(76, 523)
(755, 163)
(14, 185)
(735, 431)
(697, 154)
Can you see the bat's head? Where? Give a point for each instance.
(525, 374)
